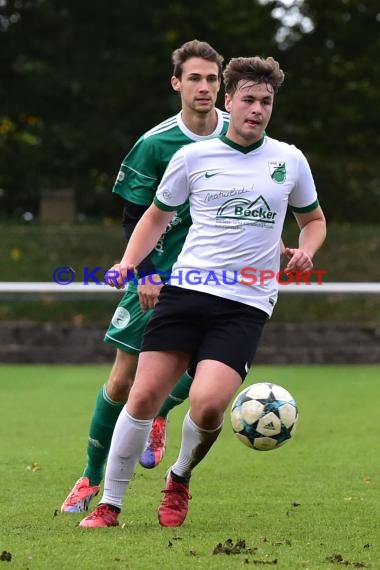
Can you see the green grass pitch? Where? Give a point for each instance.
(311, 504)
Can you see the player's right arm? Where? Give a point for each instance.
(171, 193)
(145, 236)
(136, 183)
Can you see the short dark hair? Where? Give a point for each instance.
(256, 69)
(195, 48)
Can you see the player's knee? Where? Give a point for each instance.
(118, 388)
(143, 403)
(122, 375)
(120, 381)
(205, 412)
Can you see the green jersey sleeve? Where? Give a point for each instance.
(140, 173)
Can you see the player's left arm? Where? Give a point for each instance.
(312, 235)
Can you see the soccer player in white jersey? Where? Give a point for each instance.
(223, 286)
(197, 75)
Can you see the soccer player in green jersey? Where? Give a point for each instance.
(196, 77)
(223, 286)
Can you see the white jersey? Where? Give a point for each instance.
(238, 201)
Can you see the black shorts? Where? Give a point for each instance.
(206, 327)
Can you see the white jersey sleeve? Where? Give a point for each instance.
(303, 197)
(173, 190)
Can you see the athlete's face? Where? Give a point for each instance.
(199, 84)
(250, 109)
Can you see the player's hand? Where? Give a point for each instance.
(298, 260)
(148, 291)
(118, 275)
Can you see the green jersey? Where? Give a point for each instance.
(141, 172)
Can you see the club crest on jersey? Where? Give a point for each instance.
(277, 171)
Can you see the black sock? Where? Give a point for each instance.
(179, 479)
(112, 507)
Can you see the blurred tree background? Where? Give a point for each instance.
(80, 81)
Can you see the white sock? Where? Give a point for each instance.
(128, 443)
(196, 442)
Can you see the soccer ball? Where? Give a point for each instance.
(264, 416)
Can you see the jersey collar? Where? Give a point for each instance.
(192, 136)
(243, 149)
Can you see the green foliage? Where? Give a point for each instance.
(96, 79)
(33, 252)
(331, 106)
(79, 85)
(310, 504)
